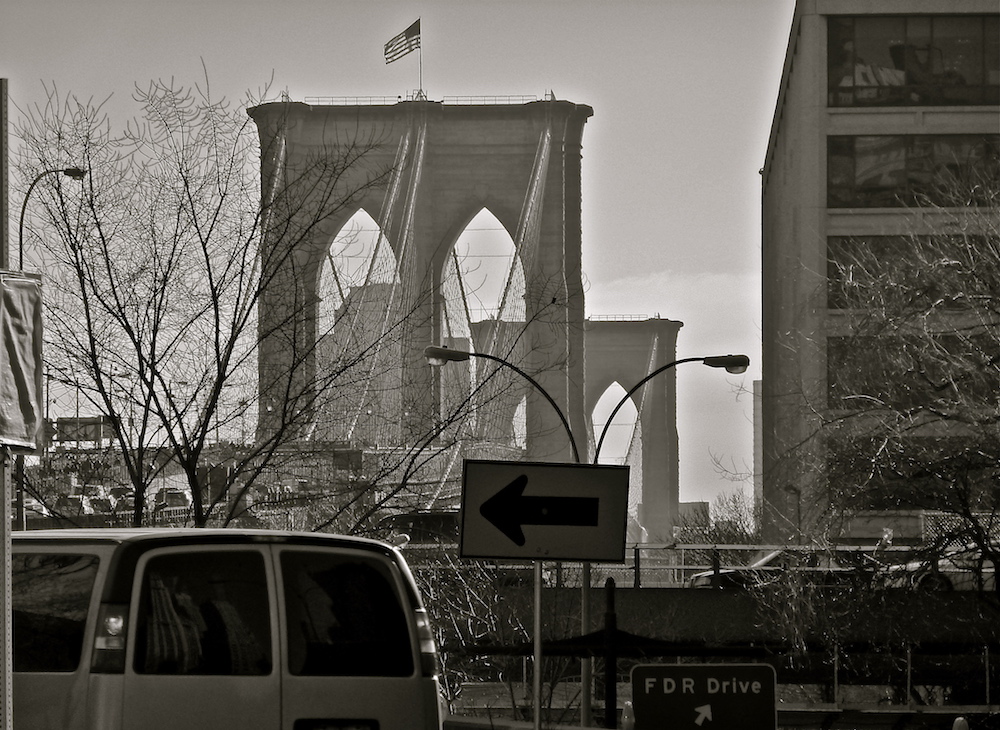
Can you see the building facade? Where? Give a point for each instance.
(883, 108)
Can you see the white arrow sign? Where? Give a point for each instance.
(541, 511)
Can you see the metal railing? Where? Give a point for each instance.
(496, 100)
(620, 317)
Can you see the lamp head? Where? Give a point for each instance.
(734, 364)
(438, 356)
(76, 173)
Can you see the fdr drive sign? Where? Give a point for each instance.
(531, 511)
(705, 696)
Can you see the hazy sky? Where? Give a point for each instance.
(683, 92)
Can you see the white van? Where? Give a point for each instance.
(148, 629)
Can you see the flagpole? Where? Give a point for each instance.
(420, 68)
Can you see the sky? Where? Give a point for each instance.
(683, 93)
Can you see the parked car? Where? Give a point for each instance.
(172, 499)
(204, 629)
(125, 505)
(824, 567)
(34, 508)
(748, 576)
(73, 505)
(102, 505)
(960, 568)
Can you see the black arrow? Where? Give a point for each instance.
(508, 510)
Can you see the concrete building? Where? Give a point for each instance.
(875, 99)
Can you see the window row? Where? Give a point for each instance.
(887, 171)
(903, 273)
(953, 375)
(921, 60)
(901, 470)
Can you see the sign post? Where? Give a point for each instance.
(704, 696)
(540, 511)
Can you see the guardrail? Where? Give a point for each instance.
(647, 565)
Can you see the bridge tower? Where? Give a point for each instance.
(624, 352)
(422, 170)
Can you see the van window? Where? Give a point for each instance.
(204, 613)
(344, 616)
(51, 596)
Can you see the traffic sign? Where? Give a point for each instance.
(534, 511)
(704, 696)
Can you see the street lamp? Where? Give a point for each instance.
(438, 356)
(76, 173)
(734, 364)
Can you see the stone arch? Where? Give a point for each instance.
(355, 286)
(475, 268)
(360, 232)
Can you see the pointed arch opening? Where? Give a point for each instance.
(358, 258)
(621, 431)
(357, 290)
(483, 285)
(484, 278)
(622, 444)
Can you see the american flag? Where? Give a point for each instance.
(398, 46)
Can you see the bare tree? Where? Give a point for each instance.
(906, 420)
(154, 274)
(914, 385)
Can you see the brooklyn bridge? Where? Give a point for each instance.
(423, 171)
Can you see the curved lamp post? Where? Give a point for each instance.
(438, 356)
(734, 364)
(75, 173)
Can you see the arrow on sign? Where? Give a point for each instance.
(704, 713)
(509, 510)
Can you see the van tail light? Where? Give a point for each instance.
(428, 650)
(109, 639)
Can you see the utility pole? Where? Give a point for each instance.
(6, 636)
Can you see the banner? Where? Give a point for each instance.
(21, 404)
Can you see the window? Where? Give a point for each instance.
(889, 171)
(856, 266)
(344, 616)
(924, 60)
(51, 597)
(898, 470)
(204, 613)
(947, 273)
(954, 375)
